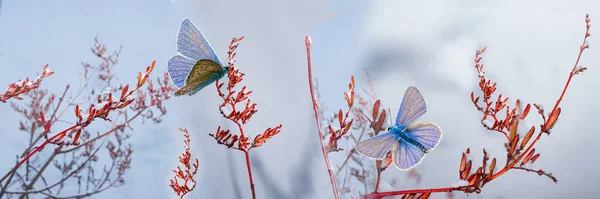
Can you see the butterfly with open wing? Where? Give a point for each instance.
(408, 141)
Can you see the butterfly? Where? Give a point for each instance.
(196, 64)
(408, 141)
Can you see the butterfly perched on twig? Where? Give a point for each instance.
(196, 64)
(409, 142)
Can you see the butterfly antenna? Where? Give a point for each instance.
(367, 117)
(390, 114)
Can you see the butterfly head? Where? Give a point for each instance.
(180, 92)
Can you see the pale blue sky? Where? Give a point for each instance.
(427, 44)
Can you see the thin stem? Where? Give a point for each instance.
(539, 172)
(81, 166)
(71, 174)
(581, 49)
(37, 139)
(346, 169)
(378, 179)
(571, 74)
(39, 173)
(316, 110)
(250, 175)
(54, 153)
(508, 167)
(62, 133)
(10, 175)
(415, 191)
(35, 150)
(352, 151)
(247, 162)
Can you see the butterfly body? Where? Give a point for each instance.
(400, 133)
(408, 141)
(196, 65)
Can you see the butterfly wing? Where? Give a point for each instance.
(179, 67)
(212, 78)
(412, 107)
(405, 155)
(202, 74)
(427, 134)
(378, 146)
(192, 43)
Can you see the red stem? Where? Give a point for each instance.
(505, 169)
(35, 150)
(377, 182)
(247, 162)
(250, 174)
(415, 191)
(316, 110)
(552, 112)
(572, 71)
(43, 144)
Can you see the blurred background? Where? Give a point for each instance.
(429, 44)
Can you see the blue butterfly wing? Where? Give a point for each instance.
(192, 43)
(413, 106)
(378, 146)
(427, 134)
(405, 155)
(179, 67)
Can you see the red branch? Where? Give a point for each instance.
(553, 116)
(230, 111)
(317, 117)
(336, 134)
(84, 121)
(15, 89)
(186, 175)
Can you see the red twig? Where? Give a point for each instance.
(377, 181)
(15, 89)
(370, 105)
(230, 101)
(83, 122)
(317, 117)
(553, 116)
(186, 175)
(415, 191)
(539, 172)
(575, 70)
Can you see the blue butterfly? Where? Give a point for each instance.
(196, 65)
(409, 141)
